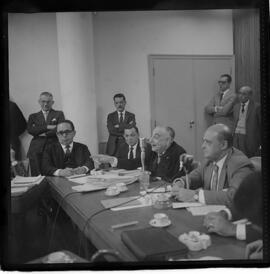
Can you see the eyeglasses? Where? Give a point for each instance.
(64, 132)
(222, 82)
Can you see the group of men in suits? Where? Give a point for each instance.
(240, 113)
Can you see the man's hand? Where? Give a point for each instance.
(185, 195)
(254, 250)
(79, 170)
(66, 172)
(218, 223)
(51, 127)
(116, 126)
(218, 108)
(176, 185)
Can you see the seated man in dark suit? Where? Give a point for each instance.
(247, 204)
(66, 158)
(164, 160)
(128, 155)
(219, 176)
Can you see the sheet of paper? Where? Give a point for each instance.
(25, 180)
(184, 205)
(19, 189)
(88, 187)
(203, 210)
(242, 221)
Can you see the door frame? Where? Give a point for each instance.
(151, 71)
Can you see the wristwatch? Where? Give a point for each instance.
(196, 196)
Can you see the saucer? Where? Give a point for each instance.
(154, 224)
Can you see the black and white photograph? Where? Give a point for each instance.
(135, 136)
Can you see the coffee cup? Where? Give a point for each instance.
(121, 187)
(161, 218)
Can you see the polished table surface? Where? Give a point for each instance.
(80, 206)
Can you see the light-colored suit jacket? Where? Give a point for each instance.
(235, 168)
(225, 115)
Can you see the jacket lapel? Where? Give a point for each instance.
(208, 175)
(41, 117)
(222, 178)
(249, 110)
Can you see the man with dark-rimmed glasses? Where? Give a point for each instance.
(221, 105)
(66, 157)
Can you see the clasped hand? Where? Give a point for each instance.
(72, 171)
(180, 193)
(103, 159)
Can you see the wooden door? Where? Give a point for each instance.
(180, 87)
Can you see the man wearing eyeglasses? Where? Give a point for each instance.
(66, 158)
(42, 126)
(221, 105)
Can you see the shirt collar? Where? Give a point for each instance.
(134, 147)
(45, 112)
(124, 112)
(224, 92)
(220, 162)
(246, 103)
(64, 147)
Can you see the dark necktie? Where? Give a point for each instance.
(214, 183)
(131, 153)
(243, 107)
(68, 152)
(221, 96)
(121, 117)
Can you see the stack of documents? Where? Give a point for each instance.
(205, 209)
(22, 184)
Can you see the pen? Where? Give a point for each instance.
(124, 224)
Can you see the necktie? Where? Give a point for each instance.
(243, 107)
(131, 156)
(121, 117)
(214, 181)
(221, 96)
(68, 152)
(158, 159)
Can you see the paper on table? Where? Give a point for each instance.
(19, 189)
(25, 180)
(127, 203)
(242, 221)
(183, 205)
(88, 187)
(203, 210)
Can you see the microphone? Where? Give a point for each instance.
(142, 146)
(185, 161)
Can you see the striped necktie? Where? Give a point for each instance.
(214, 180)
(131, 156)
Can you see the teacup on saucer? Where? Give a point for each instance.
(121, 187)
(160, 220)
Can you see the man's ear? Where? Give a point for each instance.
(224, 145)
(74, 133)
(52, 102)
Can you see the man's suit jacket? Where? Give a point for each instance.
(37, 125)
(129, 164)
(235, 168)
(16, 127)
(225, 116)
(169, 163)
(253, 126)
(53, 158)
(116, 134)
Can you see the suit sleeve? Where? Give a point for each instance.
(195, 178)
(226, 197)
(33, 128)
(110, 125)
(130, 121)
(60, 118)
(18, 122)
(228, 107)
(87, 161)
(210, 107)
(47, 167)
(252, 233)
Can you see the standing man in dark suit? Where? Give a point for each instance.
(117, 121)
(247, 123)
(220, 175)
(65, 157)
(42, 126)
(221, 105)
(164, 160)
(128, 155)
(16, 128)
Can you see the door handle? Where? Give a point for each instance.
(191, 123)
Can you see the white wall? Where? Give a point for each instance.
(123, 40)
(76, 66)
(33, 62)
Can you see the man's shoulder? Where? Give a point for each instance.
(176, 148)
(112, 113)
(56, 111)
(238, 159)
(80, 145)
(35, 113)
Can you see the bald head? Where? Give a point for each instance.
(217, 141)
(244, 94)
(161, 139)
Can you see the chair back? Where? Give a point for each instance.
(257, 163)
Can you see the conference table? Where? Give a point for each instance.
(81, 206)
